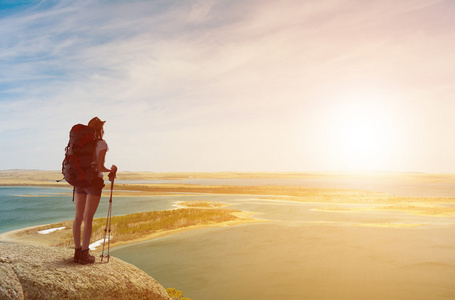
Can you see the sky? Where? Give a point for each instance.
(230, 85)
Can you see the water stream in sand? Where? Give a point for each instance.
(395, 187)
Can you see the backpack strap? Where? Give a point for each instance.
(95, 159)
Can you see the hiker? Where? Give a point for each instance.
(88, 198)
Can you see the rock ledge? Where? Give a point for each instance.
(33, 272)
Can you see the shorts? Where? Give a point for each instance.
(91, 190)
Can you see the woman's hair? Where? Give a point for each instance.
(97, 124)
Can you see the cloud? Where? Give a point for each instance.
(200, 11)
(169, 74)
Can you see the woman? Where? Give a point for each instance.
(88, 198)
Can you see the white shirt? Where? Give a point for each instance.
(100, 146)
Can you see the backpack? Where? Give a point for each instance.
(79, 168)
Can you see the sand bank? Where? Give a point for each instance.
(32, 236)
(48, 178)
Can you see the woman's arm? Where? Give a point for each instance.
(101, 167)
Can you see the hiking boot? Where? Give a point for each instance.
(77, 254)
(86, 258)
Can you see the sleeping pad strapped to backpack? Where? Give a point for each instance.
(79, 166)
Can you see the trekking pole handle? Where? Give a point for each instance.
(112, 173)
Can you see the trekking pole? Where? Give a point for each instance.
(108, 225)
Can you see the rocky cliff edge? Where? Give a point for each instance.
(33, 272)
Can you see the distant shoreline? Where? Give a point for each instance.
(49, 178)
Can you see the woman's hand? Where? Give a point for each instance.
(112, 173)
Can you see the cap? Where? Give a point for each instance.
(96, 123)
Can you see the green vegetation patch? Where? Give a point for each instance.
(134, 226)
(199, 204)
(176, 294)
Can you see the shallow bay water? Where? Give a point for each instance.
(302, 253)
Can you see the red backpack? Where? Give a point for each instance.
(79, 166)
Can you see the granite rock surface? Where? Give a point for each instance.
(35, 272)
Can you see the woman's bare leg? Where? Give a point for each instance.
(91, 205)
(79, 200)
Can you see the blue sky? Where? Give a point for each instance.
(231, 85)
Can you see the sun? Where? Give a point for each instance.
(362, 136)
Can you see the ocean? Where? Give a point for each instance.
(299, 253)
(28, 206)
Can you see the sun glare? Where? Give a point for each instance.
(362, 136)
